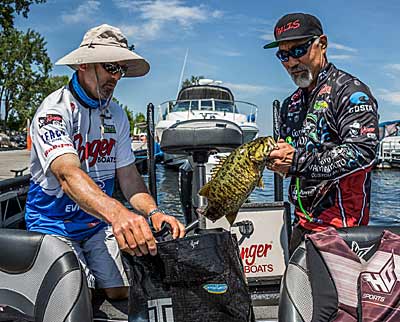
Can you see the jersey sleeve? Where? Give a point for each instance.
(125, 155)
(51, 133)
(357, 131)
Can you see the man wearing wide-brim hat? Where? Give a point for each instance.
(80, 143)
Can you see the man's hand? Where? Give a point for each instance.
(133, 233)
(178, 230)
(281, 158)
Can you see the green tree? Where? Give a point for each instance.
(9, 8)
(131, 118)
(194, 80)
(24, 73)
(134, 120)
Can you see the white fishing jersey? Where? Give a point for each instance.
(99, 137)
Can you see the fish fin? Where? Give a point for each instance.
(231, 218)
(221, 158)
(214, 171)
(260, 183)
(218, 166)
(204, 190)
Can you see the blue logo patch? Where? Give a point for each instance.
(216, 288)
(358, 98)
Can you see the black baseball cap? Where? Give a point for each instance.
(295, 26)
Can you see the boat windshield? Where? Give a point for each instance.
(205, 105)
(223, 106)
(181, 106)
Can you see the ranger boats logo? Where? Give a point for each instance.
(385, 280)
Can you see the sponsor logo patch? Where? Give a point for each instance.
(326, 89)
(52, 136)
(95, 151)
(360, 102)
(385, 280)
(160, 310)
(109, 128)
(53, 119)
(359, 251)
(216, 288)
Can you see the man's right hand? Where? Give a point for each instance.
(133, 233)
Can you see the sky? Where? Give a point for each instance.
(224, 40)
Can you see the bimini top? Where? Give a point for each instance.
(198, 92)
(389, 128)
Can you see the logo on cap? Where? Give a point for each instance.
(290, 25)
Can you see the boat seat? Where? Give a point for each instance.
(297, 303)
(41, 280)
(201, 135)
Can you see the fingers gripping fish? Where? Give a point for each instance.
(235, 177)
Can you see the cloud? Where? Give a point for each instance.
(389, 96)
(393, 67)
(81, 13)
(268, 37)
(228, 53)
(245, 88)
(157, 15)
(337, 46)
(340, 57)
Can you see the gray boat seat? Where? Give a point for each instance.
(41, 280)
(302, 300)
(201, 135)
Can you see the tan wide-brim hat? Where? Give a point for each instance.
(106, 44)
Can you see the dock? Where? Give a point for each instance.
(13, 160)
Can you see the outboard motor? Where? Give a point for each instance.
(185, 191)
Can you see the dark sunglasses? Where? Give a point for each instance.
(295, 52)
(114, 68)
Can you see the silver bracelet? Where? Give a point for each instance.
(154, 211)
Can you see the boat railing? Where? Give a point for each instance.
(13, 194)
(248, 109)
(388, 151)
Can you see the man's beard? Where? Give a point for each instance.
(303, 79)
(106, 91)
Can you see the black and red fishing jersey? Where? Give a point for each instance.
(334, 130)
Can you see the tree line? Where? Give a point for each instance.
(25, 69)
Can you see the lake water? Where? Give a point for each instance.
(385, 194)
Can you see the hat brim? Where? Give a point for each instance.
(137, 65)
(276, 43)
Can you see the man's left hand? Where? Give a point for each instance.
(178, 229)
(281, 158)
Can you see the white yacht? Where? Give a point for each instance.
(205, 101)
(389, 145)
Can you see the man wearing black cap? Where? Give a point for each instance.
(328, 130)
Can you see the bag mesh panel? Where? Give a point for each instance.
(299, 289)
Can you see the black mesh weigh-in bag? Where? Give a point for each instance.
(196, 278)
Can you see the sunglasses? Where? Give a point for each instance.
(114, 68)
(295, 52)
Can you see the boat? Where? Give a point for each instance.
(389, 145)
(262, 230)
(207, 100)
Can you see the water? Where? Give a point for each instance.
(385, 194)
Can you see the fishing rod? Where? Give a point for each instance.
(151, 162)
(278, 181)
